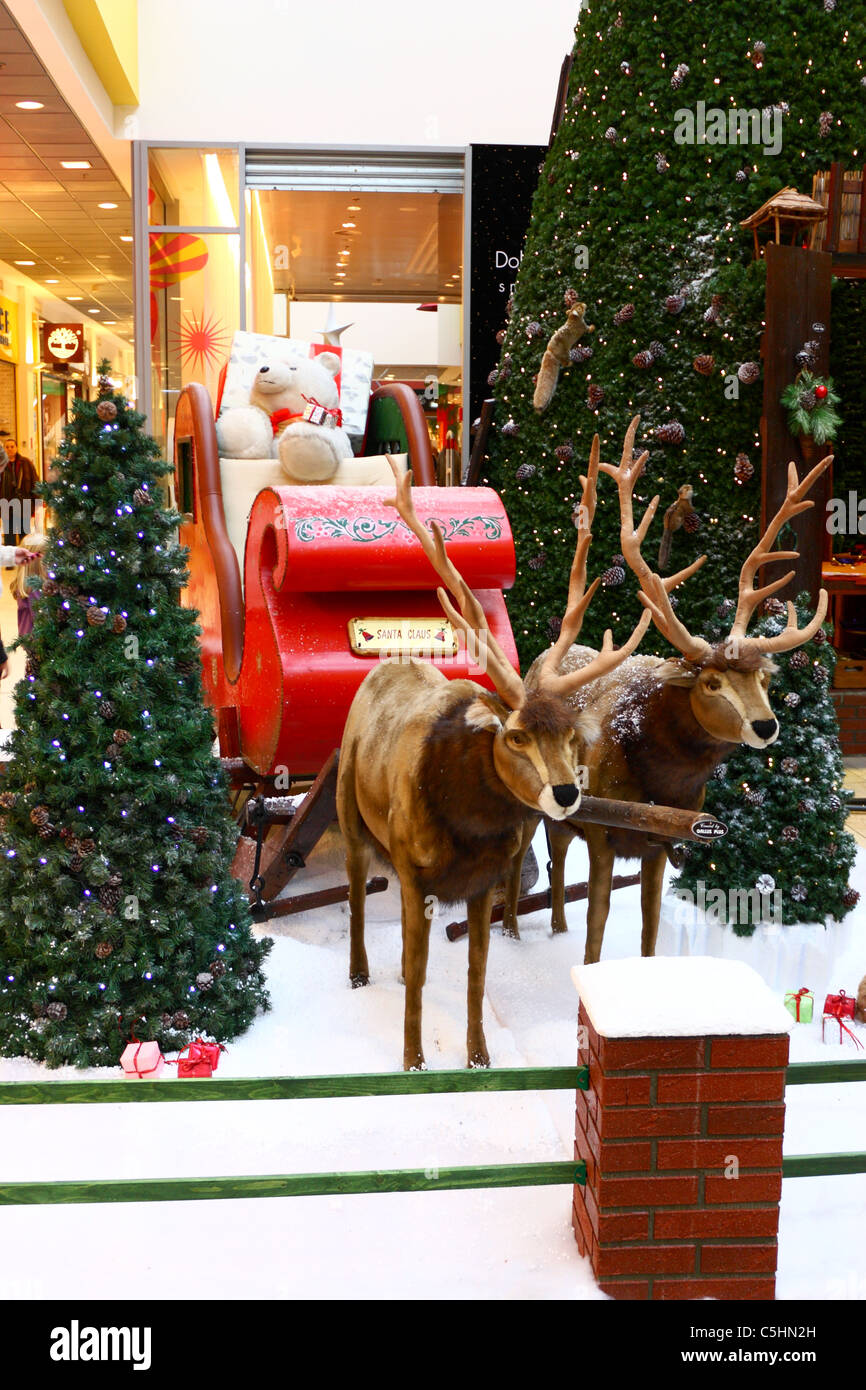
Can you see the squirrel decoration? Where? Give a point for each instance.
(860, 1009)
(679, 513)
(556, 354)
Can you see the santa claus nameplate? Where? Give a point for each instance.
(398, 636)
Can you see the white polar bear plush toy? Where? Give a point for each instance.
(293, 415)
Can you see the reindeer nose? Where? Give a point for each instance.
(765, 728)
(566, 794)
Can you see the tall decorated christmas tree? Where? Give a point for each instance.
(681, 119)
(116, 901)
(784, 806)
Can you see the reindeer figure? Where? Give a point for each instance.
(666, 723)
(441, 775)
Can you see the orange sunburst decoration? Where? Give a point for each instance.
(202, 341)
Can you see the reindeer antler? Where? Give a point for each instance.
(471, 617)
(579, 599)
(654, 590)
(749, 597)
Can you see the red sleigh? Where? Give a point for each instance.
(299, 590)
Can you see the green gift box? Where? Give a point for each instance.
(799, 1004)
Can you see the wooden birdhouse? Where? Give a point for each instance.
(787, 214)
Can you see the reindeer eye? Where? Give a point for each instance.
(516, 739)
(713, 684)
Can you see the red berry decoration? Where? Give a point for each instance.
(820, 392)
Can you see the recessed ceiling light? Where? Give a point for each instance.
(52, 282)
(126, 238)
(349, 224)
(341, 274)
(109, 321)
(108, 206)
(75, 164)
(354, 207)
(30, 105)
(94, 311)
(74, 296)
(25, 262)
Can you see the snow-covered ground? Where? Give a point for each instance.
(505, 1244)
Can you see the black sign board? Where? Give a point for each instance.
(502, 182)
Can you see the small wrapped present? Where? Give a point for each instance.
(800, 1004)
(201, 1059)
(839, 1005)
(142, 1059)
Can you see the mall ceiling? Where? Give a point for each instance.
(52, 226)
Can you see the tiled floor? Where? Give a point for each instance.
(855, 781)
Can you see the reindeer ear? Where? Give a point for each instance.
(675, 672)
(588, 728)
(486, 713)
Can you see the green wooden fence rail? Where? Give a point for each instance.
(822, 1165)
(386, 1083)
(294, 1184)
(821, 1073)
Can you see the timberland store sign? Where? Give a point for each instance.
(8, 330)
(63, 343)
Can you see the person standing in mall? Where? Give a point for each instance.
(11, 555)
(24, 482)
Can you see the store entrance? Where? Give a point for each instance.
(56, 396)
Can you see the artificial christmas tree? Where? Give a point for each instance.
(784, 806)
(115, 834)
(644, 229)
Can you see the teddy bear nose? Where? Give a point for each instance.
(263, 369)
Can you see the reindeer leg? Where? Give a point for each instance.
(357, 864)
(512, 883)
(559, 837)
(600, 876)
(652, 873)
(416, 939)
(478, 913)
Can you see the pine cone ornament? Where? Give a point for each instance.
(31, 667)
(720, 772)
(713, 314)
(103, 950)
(797, 660)
(119, 623)
(217, 968)
(679, 75)
(554, 627)
(122, 736)
(49, 587)
(40, 815)
(106, 709)
(657, 349)
(850, 897)
(200, 833)
(789, 766)
(46, 831)
(76, 864)
(704, 363)
(726, 606)
(594, 396)
(792, 699)
(56, 1011)
(510, 429)
(754, 797)
(624, 314)
(825, 124)
(8, 800)
(112, 752)
(493, 377)
(799, 891)
(68, 590)
(612, 577)
(741, 176)
(106, 410)
(564, 452)
(820, 637)
(611, 135)
(580, 354)
(525, 472)
(96, 616)
(748, 372)
(83, 602)
(773, 607)
(105, 385)
(672, 433)
(570, 298)
(675, 303)
(643, 359)
(806, 806)
(691, 523)
(537, 562)
(662, 164)
(790, 833)
(86, 847)
(757, 53)
(744, 469)
(534, 330)
(180, 1019)
(204, 979)
(109, 897)
(74, 537)
(820, 675)
(625, 68)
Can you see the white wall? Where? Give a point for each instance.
(346, 72)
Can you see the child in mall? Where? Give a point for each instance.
(27, 580)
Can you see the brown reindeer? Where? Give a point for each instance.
(441, 775)
(667, 723)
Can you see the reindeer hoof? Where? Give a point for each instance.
(478, 1059)
(359, 979)
(416, 1063)
(511, 932)
(558, 930)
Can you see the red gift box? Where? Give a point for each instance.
(839, 1005)
(202, 1059)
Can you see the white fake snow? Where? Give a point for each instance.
(509, 1244)
(668, 997)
